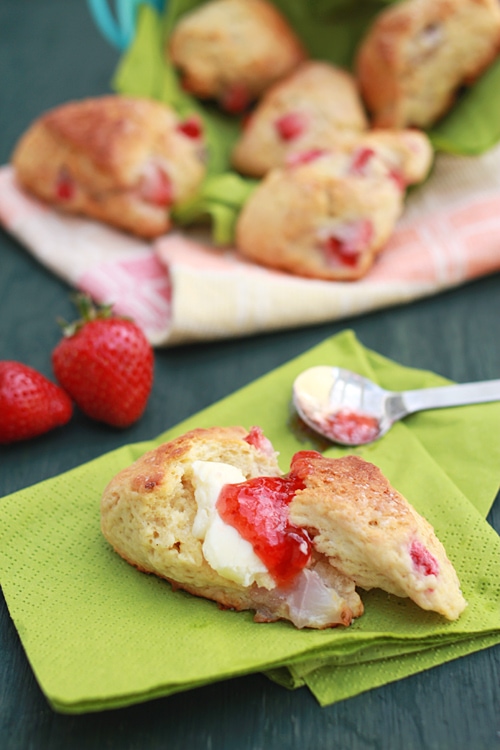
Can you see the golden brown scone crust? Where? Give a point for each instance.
(419, 52)
(113, 154)
(147, 515)
(297, 218)
(227, 48)
(322, 102)
(373, 535)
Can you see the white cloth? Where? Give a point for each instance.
(181, 289)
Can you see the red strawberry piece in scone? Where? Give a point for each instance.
(290, 126)
(156, 186)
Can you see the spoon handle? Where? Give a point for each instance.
(451, 395)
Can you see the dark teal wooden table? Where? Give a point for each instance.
(50, 52)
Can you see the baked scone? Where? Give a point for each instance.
(325, 216)
(122, 160)
(316, 106)
(233, 50)
(159, 515)
(212, 513)
(372, 534)
(418, 53)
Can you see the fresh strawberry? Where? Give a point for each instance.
(30, 404)
(105, 363)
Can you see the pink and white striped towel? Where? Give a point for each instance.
(180, 289)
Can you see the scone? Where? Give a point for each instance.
(325, 216)
(372, 534)
(233, 50)
(212, 513)
(122, 160)
(160, 515)
(418, 53)
(316, 106)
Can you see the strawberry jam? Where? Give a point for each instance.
(258, 510)
(351, 427)
(302, 463)
(423, 561)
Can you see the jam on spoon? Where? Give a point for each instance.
(349, 409)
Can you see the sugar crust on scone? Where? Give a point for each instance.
(418, 53)
(121, 160)
(233, 50)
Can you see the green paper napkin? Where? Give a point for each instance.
(330, 30)
(99, 634)
(333, 683)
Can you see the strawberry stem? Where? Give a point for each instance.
(88, 311)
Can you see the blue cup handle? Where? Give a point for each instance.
(119, 27)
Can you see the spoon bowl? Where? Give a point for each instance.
(351, 410)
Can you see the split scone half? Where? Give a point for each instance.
(233, 50)
(418, 53)
(122, 160)
(212, 513)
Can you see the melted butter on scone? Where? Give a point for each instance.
(223, 548)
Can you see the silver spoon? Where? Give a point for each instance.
(351, 410)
